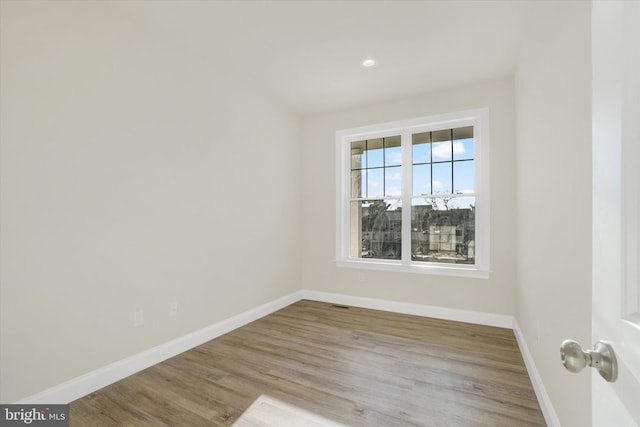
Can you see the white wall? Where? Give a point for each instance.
(494, 295)
(553, 101)
(130, 179)
(111, 135)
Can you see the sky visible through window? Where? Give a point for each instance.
(445, 167)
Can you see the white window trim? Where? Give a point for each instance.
(479, 118)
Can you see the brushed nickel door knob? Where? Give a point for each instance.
(602, 357)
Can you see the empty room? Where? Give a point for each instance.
(310, 212)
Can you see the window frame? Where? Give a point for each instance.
(479, 119)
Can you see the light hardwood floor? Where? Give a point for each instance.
(346, 365)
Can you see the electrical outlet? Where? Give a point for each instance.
(173, 308)
(138, 318)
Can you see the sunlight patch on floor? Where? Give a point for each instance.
(266, 411)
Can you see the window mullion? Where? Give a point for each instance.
(407, 191)
(453, 184)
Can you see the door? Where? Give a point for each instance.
(616, 206)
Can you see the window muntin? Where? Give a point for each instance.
(435, 168)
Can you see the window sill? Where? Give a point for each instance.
(432, 269)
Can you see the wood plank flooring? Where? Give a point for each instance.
(347, 365)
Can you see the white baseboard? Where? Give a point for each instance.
(102, 377)
(546, 406)
(477, 317)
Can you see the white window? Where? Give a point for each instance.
(413, 195)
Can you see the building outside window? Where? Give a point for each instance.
(413, 195)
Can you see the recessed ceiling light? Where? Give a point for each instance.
(368, 63)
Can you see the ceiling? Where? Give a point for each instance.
(306, 55)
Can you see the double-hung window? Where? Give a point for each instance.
(413, 195)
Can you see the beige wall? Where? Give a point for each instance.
(553, 100)
(494, 295)
(129, 180)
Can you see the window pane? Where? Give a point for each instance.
(421, 153)
(463, 149)
(463, 133)
(376, 229)
(443, 230)
(421, 179)
(442, 178)
(355, 227)
(358, 183)
(358, 155)
(463, 176)
(441, 151)
(392, 151)
(375, 153)
(393, 181)
(441, 135)
(421, 138)
(375, 182)
(421, 147)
